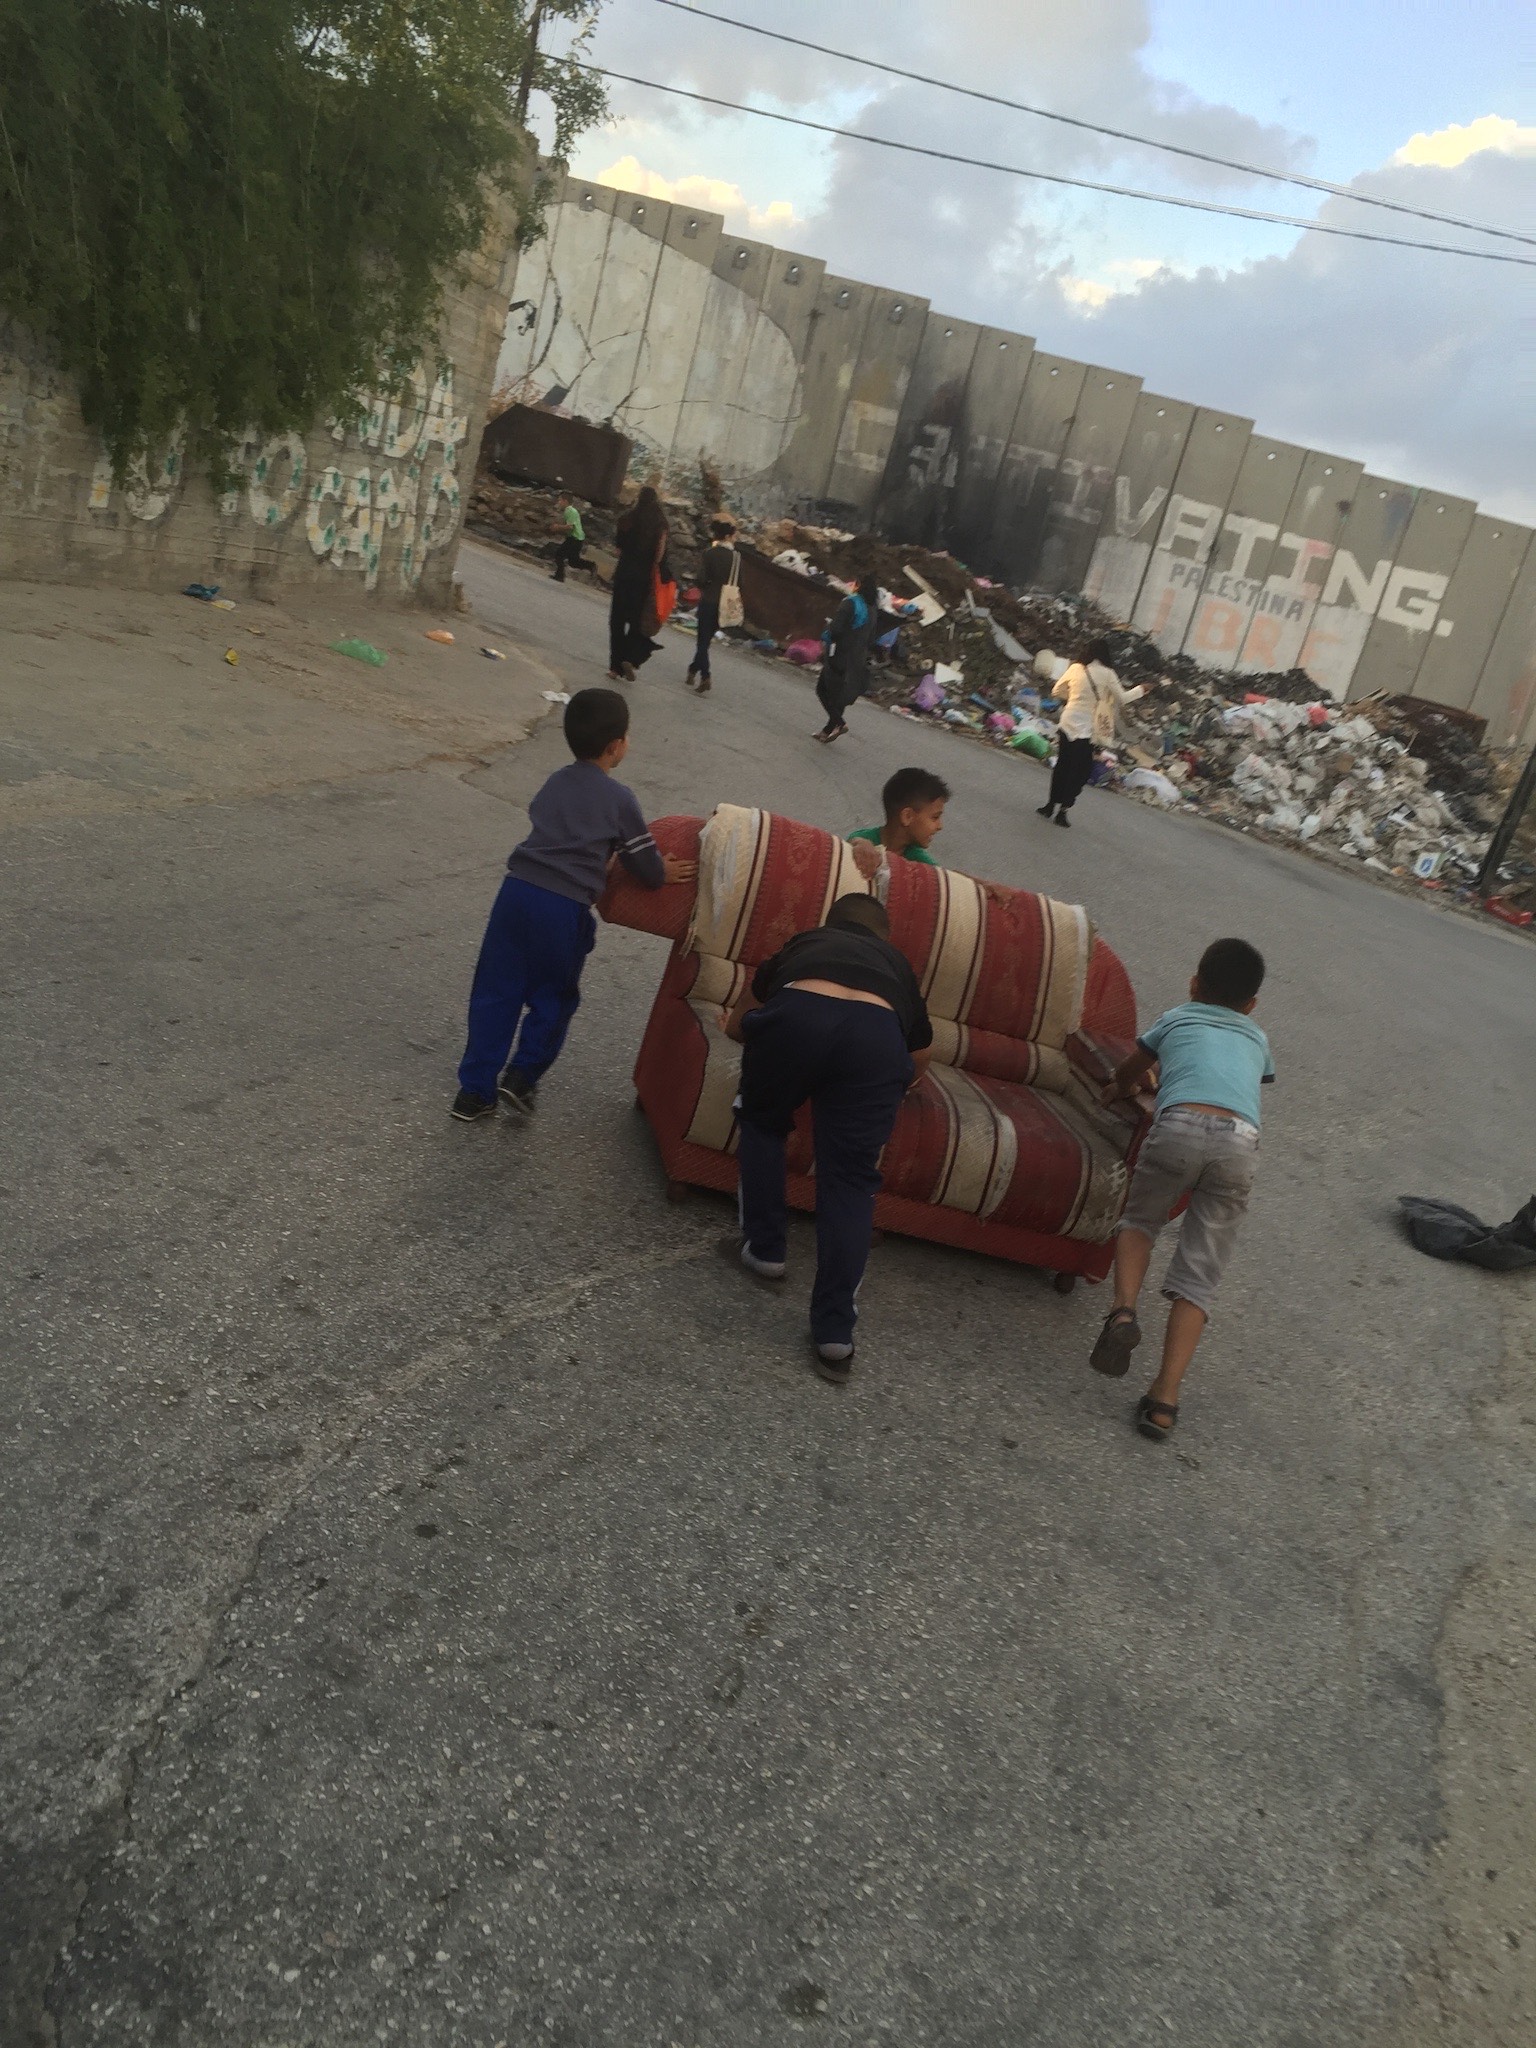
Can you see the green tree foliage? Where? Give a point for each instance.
(237, 214)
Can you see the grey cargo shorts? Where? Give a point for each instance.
(1212, 1159)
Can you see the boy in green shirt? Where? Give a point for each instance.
(914, 801)
(568, 554)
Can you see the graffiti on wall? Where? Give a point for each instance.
(1312, 610)
(395, 485)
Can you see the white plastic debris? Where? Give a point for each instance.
(1158, 787)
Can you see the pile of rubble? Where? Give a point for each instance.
(1400, 786)
(1397, 785)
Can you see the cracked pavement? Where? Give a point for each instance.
(440, 1606)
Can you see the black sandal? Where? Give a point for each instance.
(1111, 1354)
(1147, 1411)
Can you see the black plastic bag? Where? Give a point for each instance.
(1448, 1232)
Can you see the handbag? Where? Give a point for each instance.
(663, 597)
(732, 610)
(1103, 713)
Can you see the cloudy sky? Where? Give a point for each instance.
(1424, 365)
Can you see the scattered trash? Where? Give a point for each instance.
(206, 592)
(1158, 787)
(1497, 907)
(232, 657)
(259, 631)
(493, 654)
(360, 650)
(1401, 787)
(556, 696)
(1446, 1231)
(441, 635)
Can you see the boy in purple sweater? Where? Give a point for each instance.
(541, 928)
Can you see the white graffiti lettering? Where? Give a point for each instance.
(1127, 523)
(350, 507)
(1345, 573)
(1418, 612)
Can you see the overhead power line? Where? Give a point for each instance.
(1201, 156)
(1283, 220)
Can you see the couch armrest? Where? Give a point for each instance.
(668, 911)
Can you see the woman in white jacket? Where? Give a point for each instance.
(1093, 693)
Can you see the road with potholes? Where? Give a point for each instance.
(441, 1606)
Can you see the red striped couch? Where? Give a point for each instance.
(1004, 1146)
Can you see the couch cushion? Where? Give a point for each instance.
(1051, 1161)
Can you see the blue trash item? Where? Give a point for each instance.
(206, 591)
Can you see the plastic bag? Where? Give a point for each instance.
(360, 650)
(1446, 1231)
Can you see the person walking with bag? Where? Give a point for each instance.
(641, 534)
(845, 666)
(1093, 693)
(719, 600)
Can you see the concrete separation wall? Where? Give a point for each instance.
(378, 505)
(828, 399)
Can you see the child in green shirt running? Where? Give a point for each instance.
(569, 553)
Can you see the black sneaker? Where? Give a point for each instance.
(469, 1108)
(519, 1093)
(834, 1362)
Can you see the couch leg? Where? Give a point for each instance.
(1063, 1282)
(678, 1191)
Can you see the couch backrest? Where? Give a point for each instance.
(1045, 936)
(1017, 969)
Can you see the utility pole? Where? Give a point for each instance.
(1522, 796)
(525, 83)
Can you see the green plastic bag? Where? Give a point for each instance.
(1035, 744)
(360, 650)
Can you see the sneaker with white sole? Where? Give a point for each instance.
(834, 1362)
(740, 1253)
(519, 1093)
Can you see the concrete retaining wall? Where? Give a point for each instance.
(379, 504)
(821, 396)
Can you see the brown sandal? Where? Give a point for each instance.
(1147, 1413)
(1111, 1355)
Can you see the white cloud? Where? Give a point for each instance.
(1122, 275)
(1448, 147)
(711, 195)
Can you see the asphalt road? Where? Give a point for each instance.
(441, 1607)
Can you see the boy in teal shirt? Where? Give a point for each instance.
(1211, 1062)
